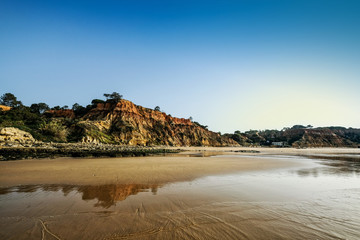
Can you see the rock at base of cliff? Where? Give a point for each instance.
(15, 135)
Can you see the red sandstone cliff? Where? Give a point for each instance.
(127, 123)
(65, 113)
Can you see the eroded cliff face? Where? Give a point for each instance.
(65, 113)
(321, 138)
(127, 123)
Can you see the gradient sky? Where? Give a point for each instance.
(231, 65)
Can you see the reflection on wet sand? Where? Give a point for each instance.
(332, 165)
(106, 195)
(342, 157)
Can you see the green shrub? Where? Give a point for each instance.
(102, 137)
(55, 130)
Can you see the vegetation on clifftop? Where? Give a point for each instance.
(300, 136)
(110, 121)
(38, 118)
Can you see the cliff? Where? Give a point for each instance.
(126, 123)
(319, 138)
(301, 137)
(121, 122)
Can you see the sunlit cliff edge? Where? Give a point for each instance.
(126, 123)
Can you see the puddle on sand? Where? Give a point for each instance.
(320, 200)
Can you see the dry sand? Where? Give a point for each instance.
(148, 170)
(140, 170)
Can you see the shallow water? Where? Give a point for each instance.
(319, 200)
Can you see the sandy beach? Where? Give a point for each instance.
(202, 193)
(156, 169)
(194, 162)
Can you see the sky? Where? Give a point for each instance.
(231, 65)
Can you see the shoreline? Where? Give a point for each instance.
(189, 164)
(133, 170)
(41, 150)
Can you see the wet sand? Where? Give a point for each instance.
(274, 194)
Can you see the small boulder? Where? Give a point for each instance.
(15, 135)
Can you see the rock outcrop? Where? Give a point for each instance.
(4, 108)
(11, 151)
(11, 135)
(64, 113)
(126, 123)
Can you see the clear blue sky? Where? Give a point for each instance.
(231, 65)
